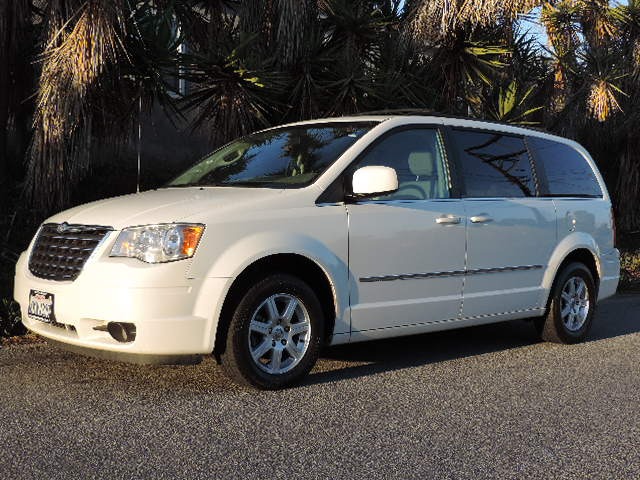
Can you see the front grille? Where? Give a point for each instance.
(60, 251)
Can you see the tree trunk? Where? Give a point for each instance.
(628, 188)
(4, 92)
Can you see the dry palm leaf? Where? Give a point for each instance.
(602, 102)
(433, 19)
(83, 41)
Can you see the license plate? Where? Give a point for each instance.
(41, 306)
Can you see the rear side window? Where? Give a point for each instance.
(494, 164)
(566, 171)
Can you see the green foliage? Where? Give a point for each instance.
(511, 105)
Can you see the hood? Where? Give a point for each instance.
(168, 205)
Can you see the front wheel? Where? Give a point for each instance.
(275, 333)
(571, 308)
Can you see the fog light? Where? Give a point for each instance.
(122, 332)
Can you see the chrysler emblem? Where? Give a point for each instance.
(63, 227)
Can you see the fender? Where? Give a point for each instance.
(232, 261)
(572, 242)
(238, 256)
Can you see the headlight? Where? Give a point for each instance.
(158, 243)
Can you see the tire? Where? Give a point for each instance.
(571, 307)
(275, 333)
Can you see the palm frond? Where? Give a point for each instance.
(433, 19)
(602, 101)
(513, 106)
(600, 20)
(80, 48)
(229, 99)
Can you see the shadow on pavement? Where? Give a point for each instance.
(615, 317)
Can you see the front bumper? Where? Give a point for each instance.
(169, 320)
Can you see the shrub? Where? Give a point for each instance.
(10, 319)
(630, 270)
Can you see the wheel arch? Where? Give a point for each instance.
(296, 264)
(577, 248)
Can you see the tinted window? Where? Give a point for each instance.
(289, 157)
(493, 164)
(417, 157)
(566, 170)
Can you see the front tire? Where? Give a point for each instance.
(571, 307)
(275, 333)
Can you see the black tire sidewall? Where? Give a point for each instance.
(237, 350)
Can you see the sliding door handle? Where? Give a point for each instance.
(480, 219)
(448, 220)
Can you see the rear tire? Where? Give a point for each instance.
(275, 333)
(571, 306)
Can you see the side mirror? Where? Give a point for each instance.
(374, 180)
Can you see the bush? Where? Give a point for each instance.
(630, 270)
(10, 319)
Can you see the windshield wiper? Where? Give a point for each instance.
(231, 184)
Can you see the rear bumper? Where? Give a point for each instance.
(169, 321)
(609, 273)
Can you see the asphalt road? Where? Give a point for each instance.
(484, 402)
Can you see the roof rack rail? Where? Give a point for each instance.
(401, 111)
(433, 113)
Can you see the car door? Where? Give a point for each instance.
(511, 232)
(407, 249)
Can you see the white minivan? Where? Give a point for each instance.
(327, 232)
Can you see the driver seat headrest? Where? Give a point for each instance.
(421, 164)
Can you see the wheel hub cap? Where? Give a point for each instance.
(279, 333)
(574, 303)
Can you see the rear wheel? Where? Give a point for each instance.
(571, 308)
(275, 333)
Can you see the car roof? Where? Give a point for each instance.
(426, 116)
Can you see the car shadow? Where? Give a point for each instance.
(615, 317)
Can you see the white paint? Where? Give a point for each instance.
(176, 306)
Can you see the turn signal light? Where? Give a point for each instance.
(191, 238)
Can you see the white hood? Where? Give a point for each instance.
(169, 205)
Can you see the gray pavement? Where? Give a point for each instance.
(483, 402)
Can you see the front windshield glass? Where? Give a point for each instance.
(288, 157)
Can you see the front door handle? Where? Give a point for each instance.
(448, 220)
(480, 219)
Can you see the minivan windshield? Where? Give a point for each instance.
(288, 157)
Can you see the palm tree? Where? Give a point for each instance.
(100, 61)
(595, 90)
(433, 19)
(465, 40)
(255, 63)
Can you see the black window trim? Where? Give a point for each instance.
(311, 124)
(338, 190)
(458, 161)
